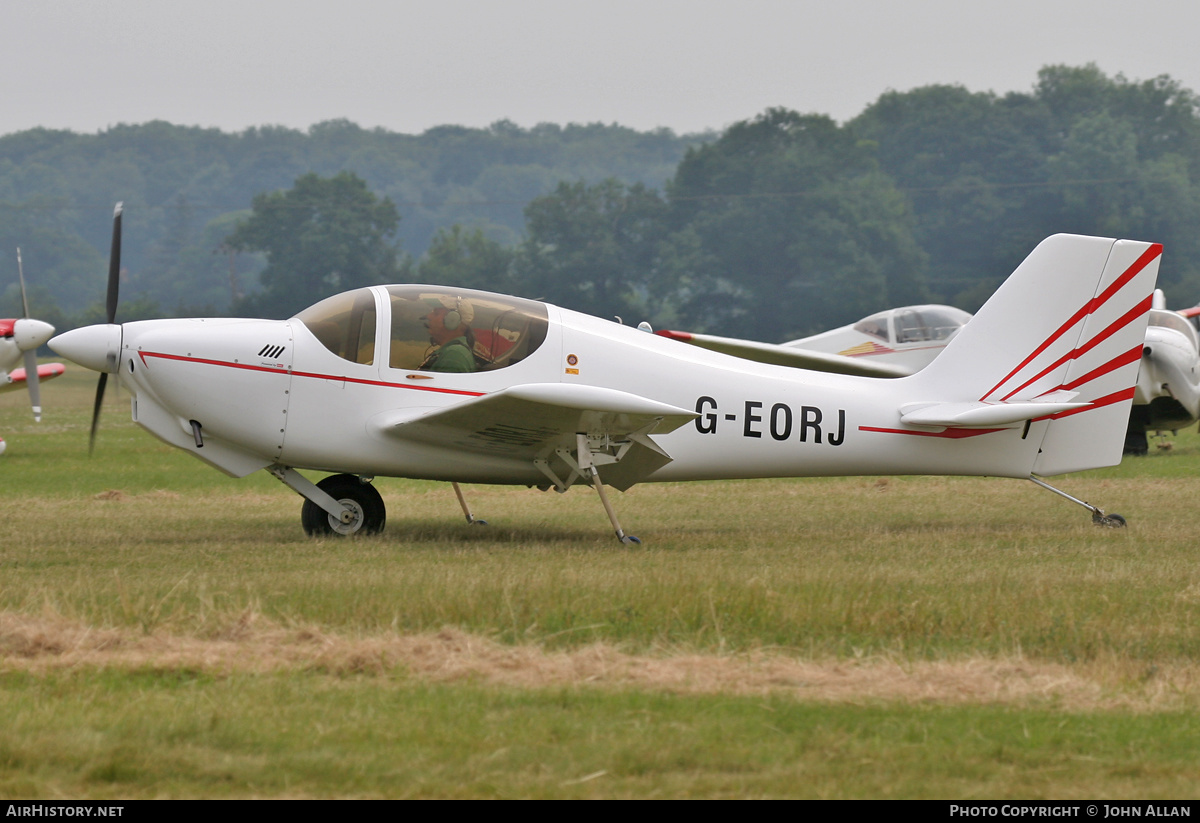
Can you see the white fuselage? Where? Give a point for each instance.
(268, 392)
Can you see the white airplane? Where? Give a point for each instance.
(1167, 396)
(1039, 383)
(20, 339)
(892, 343)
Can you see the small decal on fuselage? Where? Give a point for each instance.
(775, 421)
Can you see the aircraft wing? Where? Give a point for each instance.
(16, 379)
(787, 356)
(534, 421)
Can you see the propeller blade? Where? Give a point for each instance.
(114, 265)
(21, 276)
(96, 410)
(110, 308)
(31, 381)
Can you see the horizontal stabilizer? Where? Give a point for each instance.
(981, 413)
(787, 356)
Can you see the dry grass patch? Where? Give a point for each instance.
(254, 645)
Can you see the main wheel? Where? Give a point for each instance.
(362, 499)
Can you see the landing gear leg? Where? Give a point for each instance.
(462, 501)
(587, 467)
(1112, 521)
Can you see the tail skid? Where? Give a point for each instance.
(1057, 346)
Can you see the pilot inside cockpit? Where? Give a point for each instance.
(449, 322)
(459, 330)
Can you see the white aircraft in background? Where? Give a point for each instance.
(1167, 396)
(892, 343)
(19, 341)
(1039, 383)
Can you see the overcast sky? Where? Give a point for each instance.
(407, 65)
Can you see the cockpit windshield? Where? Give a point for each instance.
(429, 321)
(430, 327)
(876, 325)
(345, 324)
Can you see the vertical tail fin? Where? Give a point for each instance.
(1068, 325)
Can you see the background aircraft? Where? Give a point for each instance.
(20, 339)
(1168, 388)
(891, 343)
(558, 398)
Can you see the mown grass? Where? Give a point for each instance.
(142, 537)
(179, 734)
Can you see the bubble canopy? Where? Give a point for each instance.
(914, 324)
(500, 330)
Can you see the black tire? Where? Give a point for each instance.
(370, 513)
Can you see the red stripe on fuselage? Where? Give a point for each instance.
(313, 375)
(952, 434)
(1090, 306)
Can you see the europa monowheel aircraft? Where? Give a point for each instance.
(20, 339)
(1038, 383)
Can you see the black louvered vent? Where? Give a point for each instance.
(270, 352)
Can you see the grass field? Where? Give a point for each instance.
(166, 631)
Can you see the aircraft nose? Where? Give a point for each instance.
(94, 347)
(31, 334)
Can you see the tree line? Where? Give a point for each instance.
(781, 225)
(186, 188)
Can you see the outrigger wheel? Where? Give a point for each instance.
(361, 498)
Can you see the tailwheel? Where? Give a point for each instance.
(1099, 518)
(367, 512)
